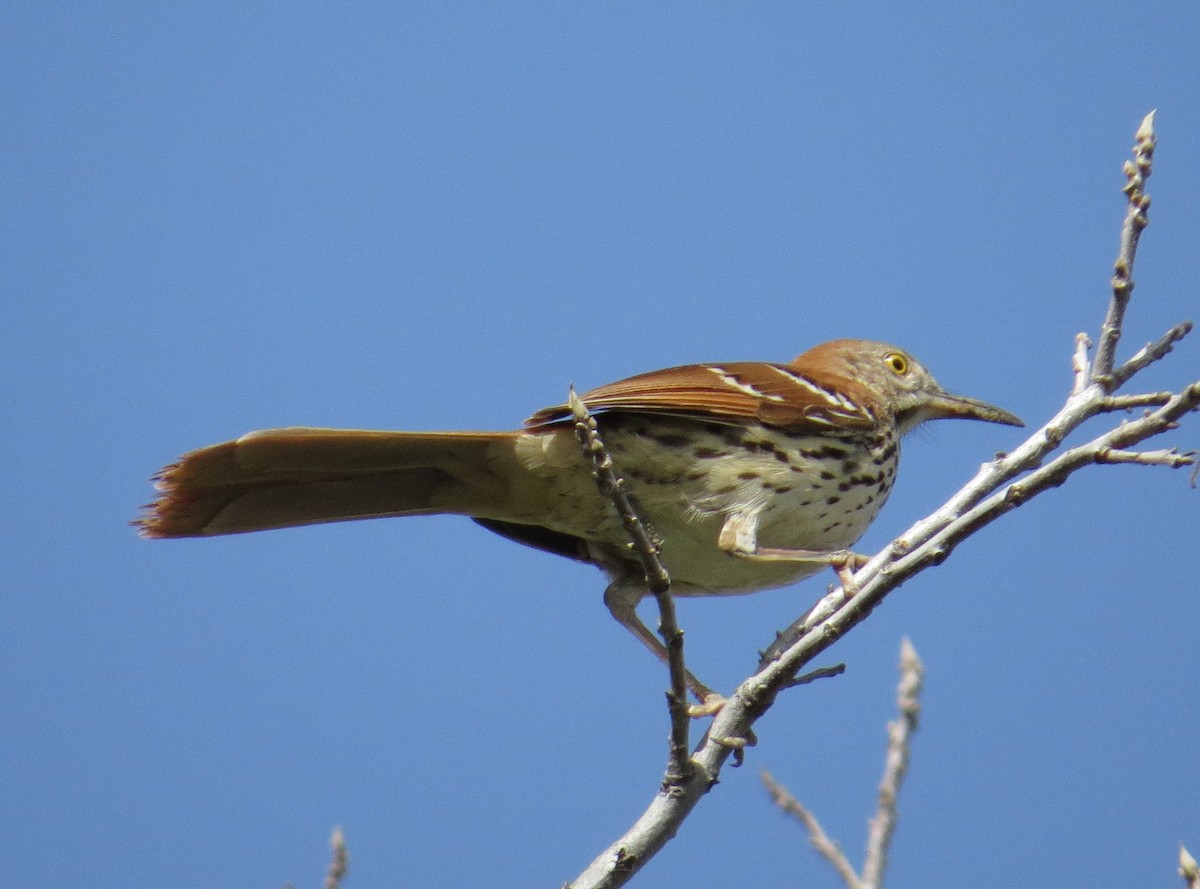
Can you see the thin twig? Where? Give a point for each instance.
(1150, 353)
(900, 732)
(1079, 363)
(819, 673)
(1137, 172)
(657, 579)
(1169, 457)
(612, 486)
(1129, 402)
(883, 824)
(820, 840)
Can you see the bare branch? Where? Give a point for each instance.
(1128, 402)
(1079, 363)
(1170, 457)
(820, 840)
(1137, 172)
(900, 732)
(883, 824)
(657, 580)
(1150, 353)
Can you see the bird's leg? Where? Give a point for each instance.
(739, 537)
(844, 566)
(622, 598)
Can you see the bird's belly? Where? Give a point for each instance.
(699, 567)
(801, 495)
(801, 519)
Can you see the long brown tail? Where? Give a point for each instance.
(280, 478)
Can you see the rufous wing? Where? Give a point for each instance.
(749, 391)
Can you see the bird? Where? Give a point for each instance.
(751, 475)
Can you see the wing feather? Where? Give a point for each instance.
(772, 394)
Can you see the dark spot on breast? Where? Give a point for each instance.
(669, 440)
(705, 453)
(856, 481)
(827, 475)
(747, 475)
(828, 452)
(832, 500)
(749, 444)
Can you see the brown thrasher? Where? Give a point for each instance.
(752, 475)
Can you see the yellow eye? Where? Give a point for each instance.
(897, 363)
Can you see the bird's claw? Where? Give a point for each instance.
(710, 704)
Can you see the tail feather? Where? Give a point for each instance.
(280, 478)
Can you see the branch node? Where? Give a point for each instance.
(1015, 494)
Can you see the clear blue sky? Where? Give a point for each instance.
(234, 216)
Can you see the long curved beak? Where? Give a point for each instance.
(945, 406)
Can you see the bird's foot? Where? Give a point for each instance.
(844, 564)
(710, 704)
